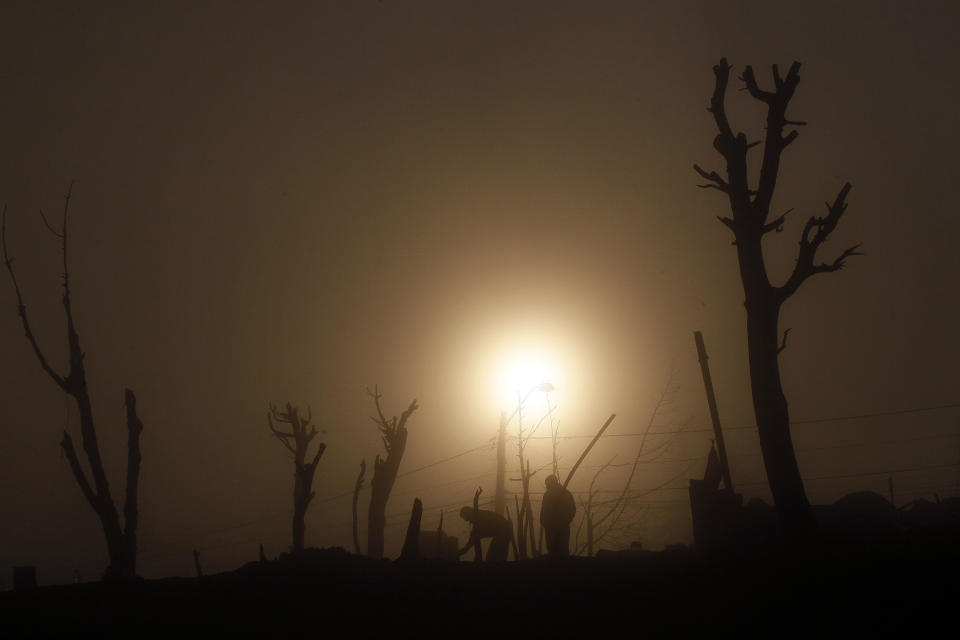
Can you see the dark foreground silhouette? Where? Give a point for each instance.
(902, 585)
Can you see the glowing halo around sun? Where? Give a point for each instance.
(525, 371)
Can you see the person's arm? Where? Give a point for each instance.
(472, 541)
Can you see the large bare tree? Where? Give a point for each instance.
(750, 222)
(296, 433)
(394, 434)
(121, 539)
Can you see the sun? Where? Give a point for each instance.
(522, 371)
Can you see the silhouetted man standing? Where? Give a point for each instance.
(556, 514)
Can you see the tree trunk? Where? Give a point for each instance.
(131, 515)
(394, 434)
(103, 501)
(299, 526)
(500, 497)
(384, 476)
(301, 498)
(121, 545)
(750, 222)
(528, 509)
(521, 536)
(376, 518)
(763, 302)
(297, 441)
(773, 422)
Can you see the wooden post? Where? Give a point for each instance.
(411, 544)
(196, 563)
(714, 414)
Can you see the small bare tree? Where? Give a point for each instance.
(297, 441)
(750, 222)
(121, 540)
(525, 520)
(599, 526)
(394, 434)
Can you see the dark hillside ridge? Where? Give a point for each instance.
(906, 584)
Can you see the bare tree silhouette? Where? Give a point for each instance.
(600, 527)
(121, 540)
(394, 434)
(526, 527)
(750, 222)
(297, 441)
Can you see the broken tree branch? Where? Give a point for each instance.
(712, 176)
(777, 225)
(22, 309)
(783, 343)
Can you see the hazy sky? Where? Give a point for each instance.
(301, 201)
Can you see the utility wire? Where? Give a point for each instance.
(858, 416)
(488, 443)
(865, 473)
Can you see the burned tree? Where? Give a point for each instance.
(121, 539)
(394, 434)
(750, 222)
(297, 441)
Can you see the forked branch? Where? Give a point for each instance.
(393, 431)
(815, 232)
(716, 182)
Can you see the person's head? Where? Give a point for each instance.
(551, 482)
(467, 514)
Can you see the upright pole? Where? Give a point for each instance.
(714, 414)
(499, 499)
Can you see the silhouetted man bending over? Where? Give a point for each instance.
(487, 524)
(556, 514)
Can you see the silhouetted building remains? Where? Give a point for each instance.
(25, 577)
(438, 545)
(717, 514)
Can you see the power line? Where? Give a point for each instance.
(928, 489)
(848, 445)
(487, 444)
(857, 416)
(865, 473)
(877, 414)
